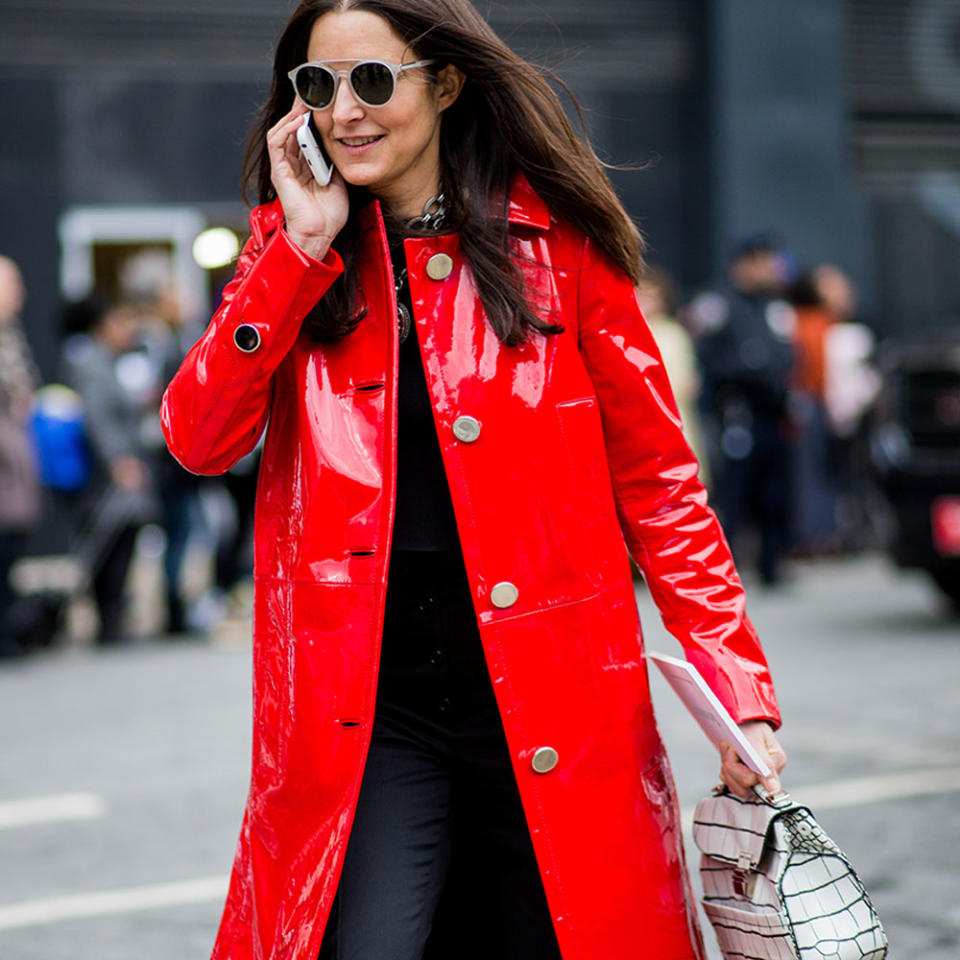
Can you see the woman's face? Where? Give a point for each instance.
(394, 150)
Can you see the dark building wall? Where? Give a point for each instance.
(31, 196)
(154, 139)
(782, 155)
(905, 91)
(110, 136)
(144, 103)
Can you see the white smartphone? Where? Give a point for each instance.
(313, 153)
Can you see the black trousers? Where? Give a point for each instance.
(439, 863)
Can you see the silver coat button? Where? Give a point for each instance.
(544, 760)
(504, 594)
(247, 337)
(466, 429)
(439, 266)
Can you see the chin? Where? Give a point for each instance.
(359, 176)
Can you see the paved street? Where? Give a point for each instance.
(123, 773)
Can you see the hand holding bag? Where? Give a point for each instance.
(776, 887)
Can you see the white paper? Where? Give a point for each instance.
(707, 710)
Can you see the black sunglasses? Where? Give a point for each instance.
(373, 82)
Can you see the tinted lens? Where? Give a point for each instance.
(372, 83)
(315, 86)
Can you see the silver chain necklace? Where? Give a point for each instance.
(430, 221)
(434, 213)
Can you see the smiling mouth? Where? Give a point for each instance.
(360, 141)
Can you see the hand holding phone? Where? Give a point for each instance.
(312, 192)
(316, 160)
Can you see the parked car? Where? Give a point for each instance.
(915, 451)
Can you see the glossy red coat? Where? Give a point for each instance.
(580, 449)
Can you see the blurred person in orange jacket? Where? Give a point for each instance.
(820, 297)
(466, 416)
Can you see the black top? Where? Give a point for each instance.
(424, 519)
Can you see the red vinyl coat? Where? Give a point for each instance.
(579, 450)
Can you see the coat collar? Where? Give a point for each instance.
(525, 208)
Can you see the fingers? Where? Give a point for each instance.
(737, 776)
(740, 779)
(771, 751)
(777, 757)
(776, 761)
(289, 119)
(282, 140)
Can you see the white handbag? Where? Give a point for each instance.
(776, 887)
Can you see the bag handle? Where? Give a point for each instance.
(780, 801)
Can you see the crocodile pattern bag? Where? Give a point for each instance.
(776, 887)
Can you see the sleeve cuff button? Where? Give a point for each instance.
(246, 337)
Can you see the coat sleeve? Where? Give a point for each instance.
(671, 533)
(216, 406)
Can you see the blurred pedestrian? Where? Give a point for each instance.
(814, 476)
(465, 416)
(744, 348)
(851, 384)
(120, 497)
(850, 379)
(19, 485)
(656, 294)
(164, 339)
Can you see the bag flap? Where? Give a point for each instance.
(732, 829)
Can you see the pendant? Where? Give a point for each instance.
(403, 321)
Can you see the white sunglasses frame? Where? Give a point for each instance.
(395, 69)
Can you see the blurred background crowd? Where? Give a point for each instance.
(87, 474)
(793, 166)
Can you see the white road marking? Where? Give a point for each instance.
(30, 913)
(876, 789)
(51, 809)
(861, 790)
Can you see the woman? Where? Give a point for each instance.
(464, 404)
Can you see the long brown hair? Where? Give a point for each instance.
(507, 118)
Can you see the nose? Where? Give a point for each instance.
(345, 107)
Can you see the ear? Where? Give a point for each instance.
(448, 85)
